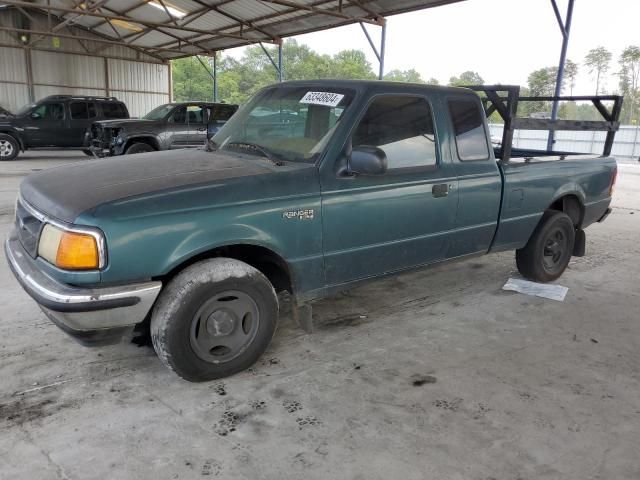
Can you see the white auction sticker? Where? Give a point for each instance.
(327, 99)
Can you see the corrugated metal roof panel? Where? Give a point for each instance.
(278, 18)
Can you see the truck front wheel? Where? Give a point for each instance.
(9, 147)
(214, 319)
(139, 147)
(547, 253)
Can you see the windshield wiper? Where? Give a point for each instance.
(254, 147)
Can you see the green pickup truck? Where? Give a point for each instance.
(312, 187)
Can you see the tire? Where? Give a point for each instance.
(548, 252)
(214, 319)
(87, 152)
(139, 147)
(9, 147)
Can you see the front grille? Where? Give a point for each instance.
(28, 227)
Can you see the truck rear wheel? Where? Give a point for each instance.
(214, 319)
(139, 147)
(548, 252)
(9, 147)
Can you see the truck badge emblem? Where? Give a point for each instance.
(306, 214)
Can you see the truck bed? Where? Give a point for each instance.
(533, 184)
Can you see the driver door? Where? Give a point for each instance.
(178, 128)
(45, 126)
(374, 225)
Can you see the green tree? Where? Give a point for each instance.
(629, 77)
(190, 80)
(466, 78)
(351, 64)
(597, 61)
(541, 83)
(570, 73)
(411, 75)
(433, 81)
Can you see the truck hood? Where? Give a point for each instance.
(124, 122)
(67, 191)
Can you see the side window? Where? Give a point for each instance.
(92, 110)
(468, 127)
(113, 110)
(179, 115)
(50, 111)
(195, 115)
(402, 126)
(78, 110)
(221, 114)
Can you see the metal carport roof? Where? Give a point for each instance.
(169, 29)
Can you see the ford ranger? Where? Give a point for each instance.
(311, 187)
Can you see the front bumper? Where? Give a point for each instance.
(93, 316)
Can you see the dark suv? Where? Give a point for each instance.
(169, 126)
(59, 121)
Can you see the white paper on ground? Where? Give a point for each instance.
(545, 290)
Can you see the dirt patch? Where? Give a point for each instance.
(420, 380)
(23, 410)
(344, 321)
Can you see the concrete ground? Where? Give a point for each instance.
(437, 374)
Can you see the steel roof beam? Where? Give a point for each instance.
(322, 11)
(105, 16)
(88, 39)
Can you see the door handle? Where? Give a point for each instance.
(201, 129)
(440, 190)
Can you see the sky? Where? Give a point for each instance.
(502, 40)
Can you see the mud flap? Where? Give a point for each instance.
(580, 243)
(303, 316)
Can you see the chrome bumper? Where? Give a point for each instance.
(94, 316)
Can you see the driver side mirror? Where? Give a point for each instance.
(367, 160)
(35, 116)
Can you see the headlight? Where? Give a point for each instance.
(71, 249)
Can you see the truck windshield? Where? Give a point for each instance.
(26, 109)
(290, 123)
(158, 113)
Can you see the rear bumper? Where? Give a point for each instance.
(605, 215)
(93, 316)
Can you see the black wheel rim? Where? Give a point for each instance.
(555, 249)
(224, 326)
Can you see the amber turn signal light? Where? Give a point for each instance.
(69, 250)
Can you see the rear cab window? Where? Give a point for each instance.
(467, 118)
(114, 110)
(402, 126)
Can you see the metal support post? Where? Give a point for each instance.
(378, 53)
(213, 73)
(280, 62)
(383, 42)
(215, 76)
(565, 28)
(278, 65)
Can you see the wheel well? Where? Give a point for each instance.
(15, 137)
(270, 264)
(152, 142)
(571, 205)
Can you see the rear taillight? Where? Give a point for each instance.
(614, 177)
